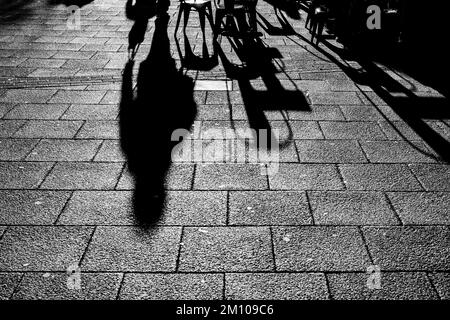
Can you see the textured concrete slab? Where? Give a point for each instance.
(31, 207)
(8, 282)
(229, 176)
(319, 249)
(184, 286)
(269, 208)
(9, 127)
(384, 177)
(91, 112)
(110, 151)
(351, 208)
(133, 249)
(441, 282)
(434, 177)
(98, 208)
(226, 249)
(422, 207)
(351, 130)
(49, 129)
(16, 149)
(26, 175)
(394, 286)
(54, 286)
(275, 286)
(330, 151)
(396, 152)
(194, 208)
(83, 175)
(306, 177)
(42, 248)
(409, 248)
(37, 111)
(64, 150)
(99, 129)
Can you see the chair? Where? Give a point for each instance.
(204, 9)
(318, 16)
(235, 13)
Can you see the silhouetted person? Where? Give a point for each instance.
(163, 103)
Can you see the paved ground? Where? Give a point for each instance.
(357, 185)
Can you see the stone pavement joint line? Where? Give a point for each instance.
(356, 185)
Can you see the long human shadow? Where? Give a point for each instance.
(162, 103)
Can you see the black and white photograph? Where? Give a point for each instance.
(218, 157)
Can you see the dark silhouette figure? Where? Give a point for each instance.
(162, 103)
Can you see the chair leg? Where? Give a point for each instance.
(180, 12)
(201, 16)
(210, 15)
(319, 31)
(186, 12)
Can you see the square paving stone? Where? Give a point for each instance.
(91, 112)
(396, 152)
(98, 208)
(27, 95)
(330, 151)
(31, 206)
(172, 286)
(394, 286)
(351, 208)
(441, 282)
(42, 248)
(352, 130)
(409, 248)
(386, 177)
(76, 96)
(83, 175)
(53, 286)
(422, 207)
(213, 112)
(434, 177)
(319, 249)
(22, 175)
(8, 282)
(275, 286)
(133, 249)
(306, 177)
(48, 129)
(226, 249)
(37, 111)
(99, 130)
(110, 151)
(9, 127)
(64, 150)
(194, 208)
(15, 149)
(230, 177)
(269, 208)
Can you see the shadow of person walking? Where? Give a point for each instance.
(163, 102)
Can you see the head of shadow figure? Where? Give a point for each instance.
(258, 68)
(161, 103)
